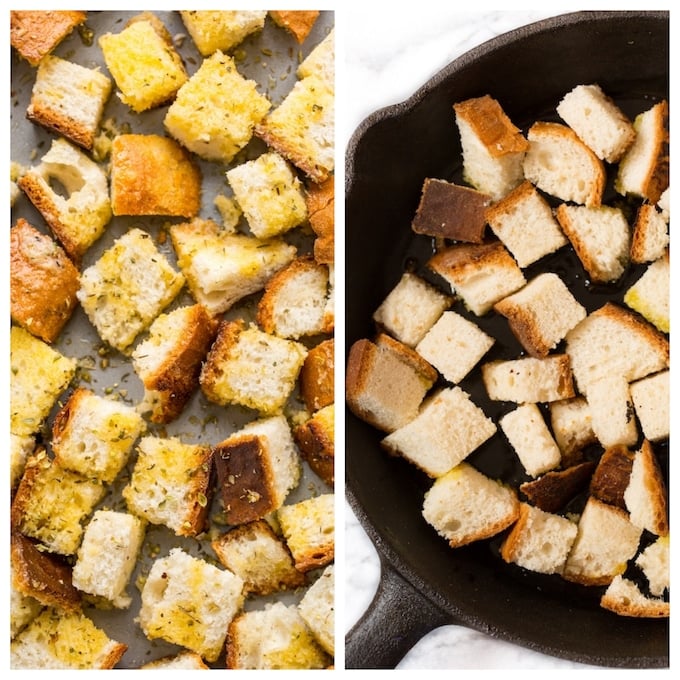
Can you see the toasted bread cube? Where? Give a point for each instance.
(650, 235)
(317, 608)
(77, 219)
(190, 661)
(20, 447)
(145, 173)
(270, 195)
(316, 441)
(612, 475)
(222, 268)
(52, 503)
(93, 435)
(645, 495)
(650, 294)
(108, 555)
(221, 29)
(317, 376)
(216, 110)
(64, 641)
(144, 63)
(302, 127)
(552, 491)
(39, 374)
(321, 210)
(189, 602)
(257, 467)
(127, 288)
(170, 484)
(34, 34)
(320, 61)
(69, 99)
(309, 529)
(43, 282)
(651, 398)
(251, 368)
(298, 22)
(22, 610)
(255, 553)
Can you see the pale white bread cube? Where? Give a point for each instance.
(664, 204)
(644, 169)
(480, 274)
(652, 401)
(601, 237)
(523, 220)
(614, 341)
(625, 598)
(650, 294)
(542, 313)
(539, 541)
(598, 121)
(321, 60)
(213, 30)
(529, 379)
(645, 495)
(189, 661)
(448, 428)
(464, 506)
(571, 424)
(411, 308)
(108, 555)
(561, 165)
(493, 147)
(612, 411)
(650, 235)
(605, 541)
(189, 602)
(655, 561)
(454, 346)
(317, 608)
(530, 437)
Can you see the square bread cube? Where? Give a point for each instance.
(650, 294)
(320, 61)
(297, 22)
(22, 610)
(411, 308)
(315, 438)
(454, 346)
(270, 195)
(213, 30)
(257, 467)
(171, 484)
(255, 553)
(251, 368)
(650, 234)
(127, 288)
(651, 398)
(39, 374)
(188, 602)
(645, 497)
(108, 555)
(571, 424)
(321, 210)
(69, 99)
(216, 110)
(188, 661)
(222, 268)
(317, 608)
(145, 173)
(93, 435)
(612, 411)
(144, 63)
(20, 448)
(43, 282)
(317, 376)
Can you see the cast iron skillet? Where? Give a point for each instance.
(425, 583)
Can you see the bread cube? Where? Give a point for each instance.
(651, 399)
(64, 641)
(316, 440)
(216, 110)
(309, 529)
(650, 294)
(542, 313)
(612, 411)
(68, 99)
(464, 505)
(410, 309)
(51, 504)
(251, 368)
(321, 211)
(127, 288)
(645, 495)
(221, 29)
(257, 467)
(171, 484)
(317, 608)
(79, 217)
(612, 475)
(20, 447)
(664, 204)
(650, 235)
(552, 491)
(93, 435)
(320, 61)
(297, 22)
(43, 282)
(34, 34)
(259, 557)
(302, 127)
(275, 637)
(317, 376)
(572, 425)
(222, 268)
(654, 561)
(270, 195)
(108, 555)
(189, 661)
(39, 374)
(625, 598)
(22, 610)
(143, 61)
(454, 346)
(481, 274)
(145, 173)
(523, 220)
(448, 428)
(189, 602)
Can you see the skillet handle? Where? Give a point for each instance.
(397, 618)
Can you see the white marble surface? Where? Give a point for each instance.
(387, 56)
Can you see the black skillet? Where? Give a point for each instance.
(424, 583)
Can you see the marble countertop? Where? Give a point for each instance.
(387, 57)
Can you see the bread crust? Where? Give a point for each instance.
(315, 438)
(298, 22)
(317, 376)
(554, 489)
(33, 34)
(321, 211)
